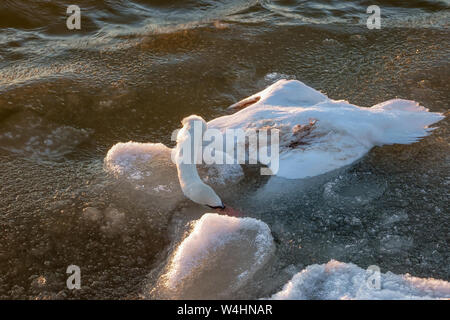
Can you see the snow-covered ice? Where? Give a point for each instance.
(219, 256)
(338, 280)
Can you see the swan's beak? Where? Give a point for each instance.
(229, 212)
(219, 207)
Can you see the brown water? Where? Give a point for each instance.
(137, 68)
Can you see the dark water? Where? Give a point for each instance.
(136, 68)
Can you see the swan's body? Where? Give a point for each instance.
(336, 133)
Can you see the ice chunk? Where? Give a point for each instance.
(337, 280)
(145, 174)
(220, 255)
(132, 159)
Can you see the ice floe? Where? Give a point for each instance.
(338, 280)
(219, 256)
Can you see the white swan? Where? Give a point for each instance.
(318, 134)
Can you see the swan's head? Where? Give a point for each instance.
(203, 194)
(189, 124)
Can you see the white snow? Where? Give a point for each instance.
(338, 280)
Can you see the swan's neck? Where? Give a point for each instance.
(187, 154)
(187, 173)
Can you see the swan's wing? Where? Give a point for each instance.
(283, 93)
(326, 148)
(290, 93)
(288, 104)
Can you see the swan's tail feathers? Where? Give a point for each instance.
(400, 105)
(409, 121)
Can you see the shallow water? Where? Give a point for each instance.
(137, 68)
